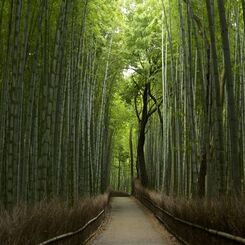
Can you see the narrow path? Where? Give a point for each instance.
(130, 223)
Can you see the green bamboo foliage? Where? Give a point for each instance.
(65, 104)
(202, 149)
(52, 79)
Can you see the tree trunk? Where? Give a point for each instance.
(218, 115)
(232, 115)
(141, 140)
(131, 158)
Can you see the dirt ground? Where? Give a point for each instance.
(131, 223)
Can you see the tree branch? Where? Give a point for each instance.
(136, 108)
(152, 111)
(157, 107)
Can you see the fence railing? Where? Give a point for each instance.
(187, 232)
(74, 233)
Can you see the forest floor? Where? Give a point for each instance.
(131, 223)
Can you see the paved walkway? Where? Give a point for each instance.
(129, 224)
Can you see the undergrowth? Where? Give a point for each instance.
(224, 214)
(25, 225)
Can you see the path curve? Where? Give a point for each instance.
(130, 224)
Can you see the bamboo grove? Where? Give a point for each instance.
(198, 150)
(94, 92)
(56, 78)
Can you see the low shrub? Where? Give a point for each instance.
(25, 225)
(224, 214)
